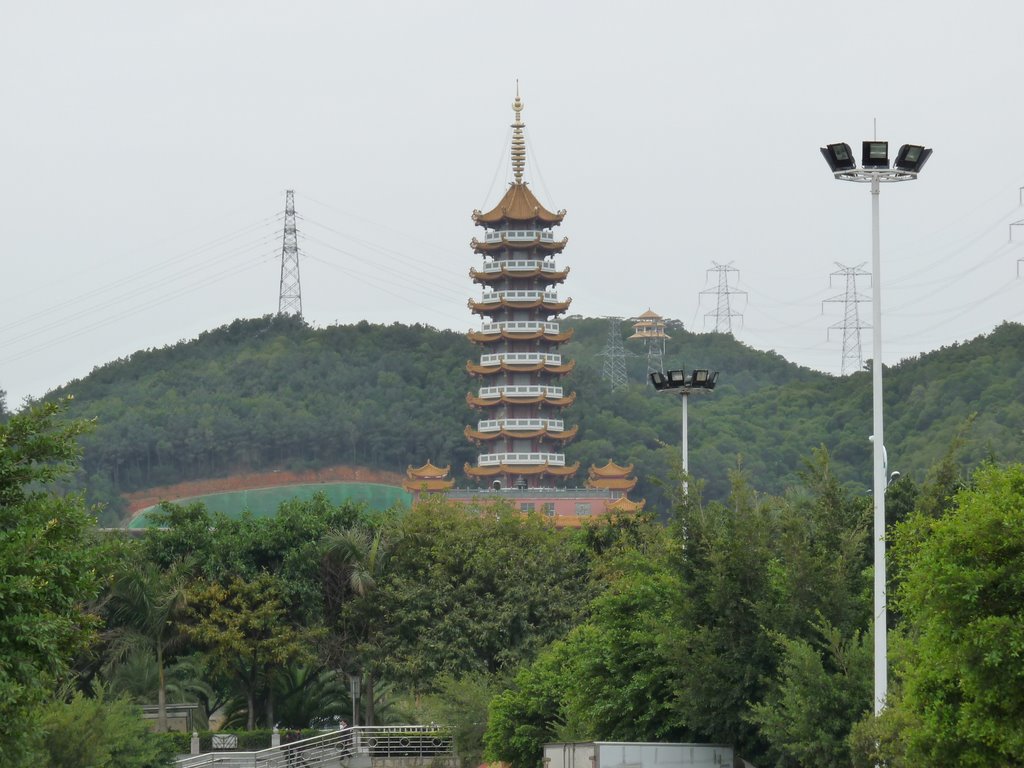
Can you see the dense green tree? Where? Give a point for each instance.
(478, 592)
(527, 714)
(962, 595)
(47, 569)
(91, 731)
(245, 628)
(816, 694)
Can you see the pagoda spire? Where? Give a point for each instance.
(518, 141)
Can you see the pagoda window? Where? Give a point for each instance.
(549, 508)
(527, 506)
(582, 508)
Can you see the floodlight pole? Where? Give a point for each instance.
(875, 170)
(881, 643)
(684, 396)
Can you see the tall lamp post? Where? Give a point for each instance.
(875, 170)
(683, 383)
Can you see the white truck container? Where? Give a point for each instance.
(623, 754)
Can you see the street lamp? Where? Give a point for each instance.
(875, 169)
(683, 383)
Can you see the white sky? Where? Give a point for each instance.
(146, 147)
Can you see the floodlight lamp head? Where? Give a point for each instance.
(875, 155)
(677, 378)
(912, 157)
(658, 380)
(839, 157)
(700, 377)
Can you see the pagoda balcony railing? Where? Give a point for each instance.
(497, 459)
(520, 390)
(521, 358)
(496, 425)
(521, 265)
(520, 326)
(493, 297)
(519, 235)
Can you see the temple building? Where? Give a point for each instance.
(519, 395)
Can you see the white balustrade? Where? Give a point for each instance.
(520, 265)
(496, 459)
(520, 390)
(496, 425)
(520, 358)
(519, 326)
(519, 235)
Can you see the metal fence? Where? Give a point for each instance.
(330, 749)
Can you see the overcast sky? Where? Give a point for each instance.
(146, 148)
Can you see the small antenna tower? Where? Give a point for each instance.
(650, 328)
(614, 354)
(723, 311)
(851, 324)
(289, 301)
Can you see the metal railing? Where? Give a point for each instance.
(332, 748)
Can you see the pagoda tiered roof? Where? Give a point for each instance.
(565, 435)
(475, 369)
(555, 338)
(519, 204)
(487, 307)
(489, 402)
(550, 246)
(521, 469)
(503, 272)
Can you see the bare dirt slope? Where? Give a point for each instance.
(250, 480)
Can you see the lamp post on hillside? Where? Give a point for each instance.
(875, 170)
(682, 382)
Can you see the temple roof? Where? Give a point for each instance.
(626, 505)
(518, 204)
(428, 470)
(611, 469)
(485, 308)
(612, 483)
(427, 485)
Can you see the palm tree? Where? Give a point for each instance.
(355, 560)
(147, 607)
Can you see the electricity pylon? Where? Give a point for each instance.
(723, 311)
(614, 354)
(851, 323)
(289, 298)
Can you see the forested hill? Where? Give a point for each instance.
(275, 393)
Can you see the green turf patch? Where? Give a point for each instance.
(264, 502)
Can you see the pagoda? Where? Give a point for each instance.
(519, 395)
(521, 432)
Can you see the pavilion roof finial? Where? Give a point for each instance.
(518, 141)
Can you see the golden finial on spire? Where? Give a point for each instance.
(518, 142)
